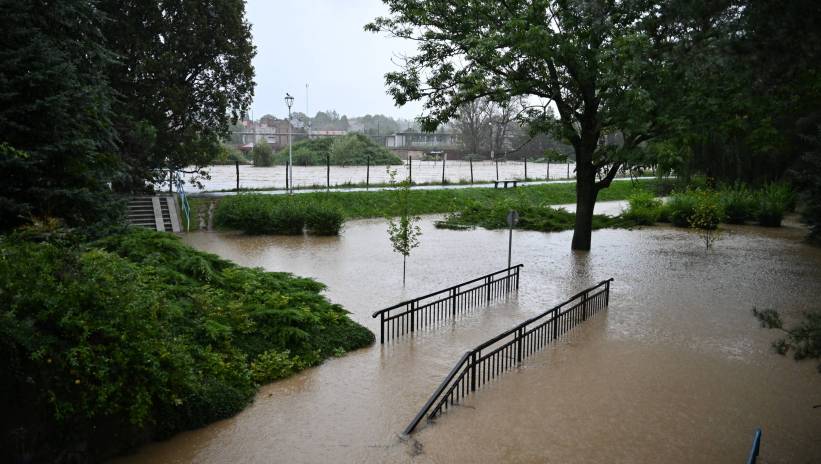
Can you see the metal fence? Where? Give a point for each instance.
(492, 358)
(407, 316)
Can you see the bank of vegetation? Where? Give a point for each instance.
(259, 213)
(109, 343)
(703, 207)
(347, 150)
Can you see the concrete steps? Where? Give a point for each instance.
(154, 212)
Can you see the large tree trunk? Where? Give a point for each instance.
(586, 192)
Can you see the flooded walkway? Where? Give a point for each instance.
(676, 370)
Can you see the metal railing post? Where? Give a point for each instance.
(382, 328)
(520, 334)
(584, 306)
(607, 293)
(453, 293)
(555, 323)
(473, 371)
(487, 286)
(412, 315)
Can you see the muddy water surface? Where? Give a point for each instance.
(676, 370)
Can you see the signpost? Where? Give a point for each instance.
(512, 220)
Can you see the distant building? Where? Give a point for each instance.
(326, 133)
(274, 131)
(415, 145)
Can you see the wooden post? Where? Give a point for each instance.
(287, 170)
(471, 170)
(444, 158)
(497, 169)
(525, 167)
(410, 169)
(368, 171)
(236, 164)
(328, 171)
(170, 180)
(568, 169)
(548, 170)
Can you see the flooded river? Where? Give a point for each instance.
(225, 177)
(677, 370)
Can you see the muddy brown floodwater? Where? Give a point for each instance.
(676, 370)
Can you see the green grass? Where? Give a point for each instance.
(357, 205)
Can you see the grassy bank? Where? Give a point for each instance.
(354, 205)
(137, 336)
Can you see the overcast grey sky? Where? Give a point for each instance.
(322, 43)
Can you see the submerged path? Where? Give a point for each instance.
(677, 370)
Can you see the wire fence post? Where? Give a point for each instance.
(497, 169)
(471, 169)
(236, 163)
(368, 172)
(547, 177)
(444, 158)
(525, 167)
(328, 170)
(287, 180)
(410, 169)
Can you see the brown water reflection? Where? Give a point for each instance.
(677, 370)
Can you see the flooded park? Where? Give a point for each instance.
(676, 370)
(251, 177)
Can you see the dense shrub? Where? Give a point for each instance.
(253, 214)
(680, 208)
(348, 150)
(323, 219)
(229, 155)
(738, 203)
(643, 209)
(138, 336)
(773, 201)
(262, 154)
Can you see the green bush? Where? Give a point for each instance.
(323, 219)
(253, 214)
(680, 208)
(229, 155)
(773, 200)
(348, 150)
(738, 203)
(707, 212)
(643, 209)
(138, 336)
(262, 154)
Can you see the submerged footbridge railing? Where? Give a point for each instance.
(407, 316)
(503, 352)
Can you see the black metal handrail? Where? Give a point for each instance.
(753, 457)
(506, 350)
(410, 315)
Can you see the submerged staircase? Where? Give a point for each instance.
(157, 212)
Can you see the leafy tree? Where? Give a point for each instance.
(804, 340)
(403, 228)
(262, 154)
(600, 63)
(56, 136)
(183, 73)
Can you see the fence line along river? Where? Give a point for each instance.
(250, 177)
(677, 370)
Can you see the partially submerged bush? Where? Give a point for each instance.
(644, 209)
(680, 208)
(139, 336)
(738, 203)
(323, 219)
(773, 200)
(254, 214)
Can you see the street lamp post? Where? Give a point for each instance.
(289, 100)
